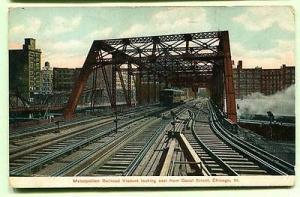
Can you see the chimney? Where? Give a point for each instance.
(240, 65)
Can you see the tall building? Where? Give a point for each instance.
(46, 78)
(266, 81)
(24, 70)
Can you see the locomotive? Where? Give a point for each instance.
(171, 97)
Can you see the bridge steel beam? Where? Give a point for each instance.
(107, 85)
(80, 83)
(93, 92)
(172, 57)
(229, 86)
(217, 87)
(75, 95)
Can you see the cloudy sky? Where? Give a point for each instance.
(260, 36)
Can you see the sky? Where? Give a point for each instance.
(260, 36)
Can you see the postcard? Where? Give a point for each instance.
(151, 96)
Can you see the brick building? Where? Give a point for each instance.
(266, 81)
(64, 79)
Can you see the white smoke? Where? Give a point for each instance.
(280, 104)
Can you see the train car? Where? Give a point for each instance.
(169, 97)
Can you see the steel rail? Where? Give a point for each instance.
(53, 155)
(68, 124)
(282, 164)
(134, 164)
(41, 161)
(257, 157)
(227, 168)
(192, 156)
(265, 165)
(271, 158)
(19, 151)
(66, 168)
(49, 129)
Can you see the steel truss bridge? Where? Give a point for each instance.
(185, 60)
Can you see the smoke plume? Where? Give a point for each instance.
(280, 104)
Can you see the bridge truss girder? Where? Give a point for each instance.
(190, 60)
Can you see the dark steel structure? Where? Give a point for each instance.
(186, 60)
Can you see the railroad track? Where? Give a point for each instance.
(29, 163)
(26, 144)
(41, 138)
(167, 157)
(223, 154)
(32, 163)
(128, 156)
(227, 131)
(28, 134)
(47, 128)
(198, 142)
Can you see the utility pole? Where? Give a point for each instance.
(116, 120)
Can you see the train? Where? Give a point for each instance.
(171, 97)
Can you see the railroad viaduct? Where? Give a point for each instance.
(190, 60)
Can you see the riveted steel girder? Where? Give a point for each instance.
(205, 54)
